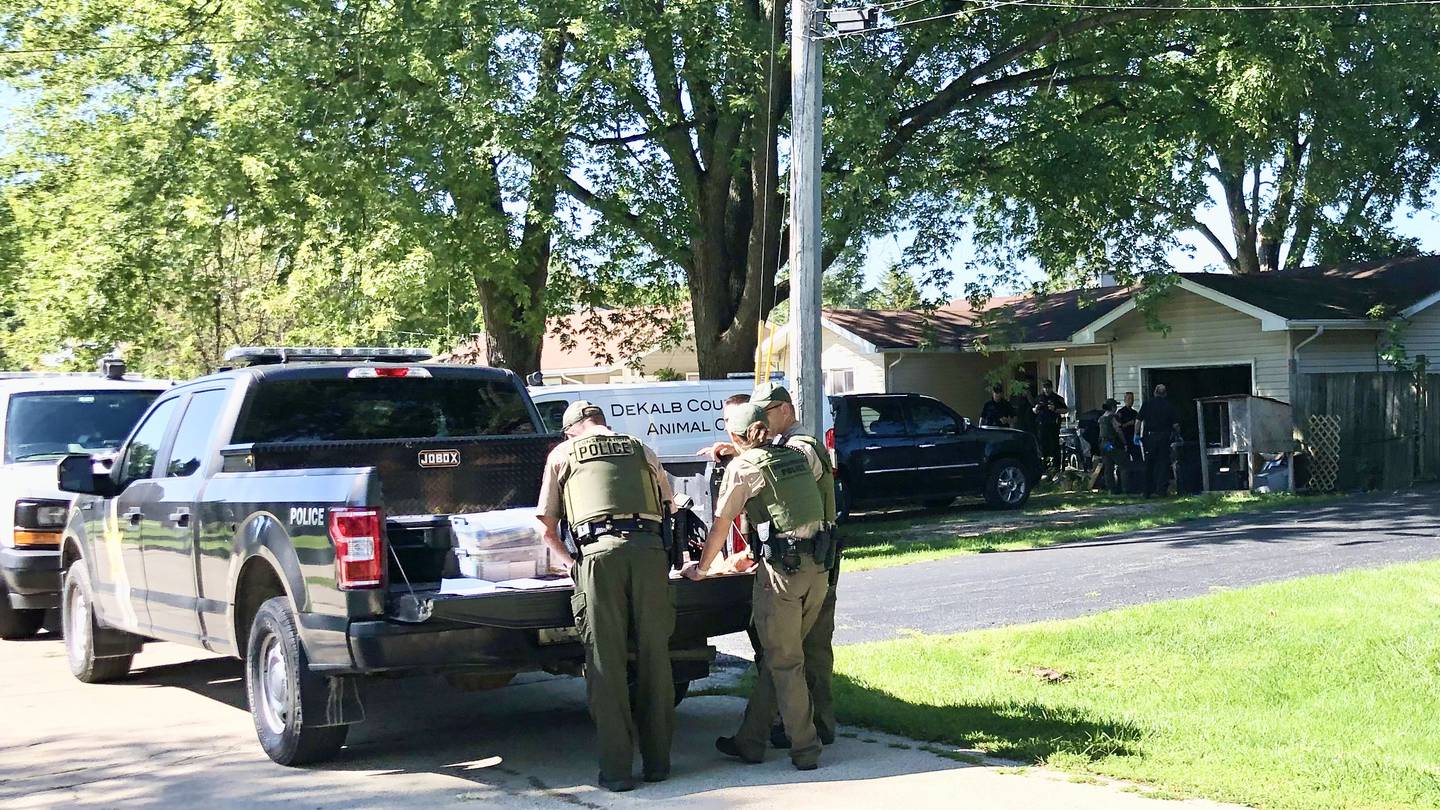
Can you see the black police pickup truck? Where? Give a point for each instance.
(908, 448)
(294, 514)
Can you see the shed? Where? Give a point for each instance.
(1241, 426)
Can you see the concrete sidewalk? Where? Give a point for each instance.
(176, 735)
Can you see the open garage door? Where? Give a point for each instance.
(1189, 384)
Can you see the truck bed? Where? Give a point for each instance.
(711, 601)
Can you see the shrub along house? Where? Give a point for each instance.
(1222, 334)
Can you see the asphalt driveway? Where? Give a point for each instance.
(1191, 559)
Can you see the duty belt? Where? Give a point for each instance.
(786, 541)
(588, 533)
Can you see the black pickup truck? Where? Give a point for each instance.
(895, 449)
(295, 515)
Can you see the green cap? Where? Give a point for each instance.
(578, 410)
(739, 418)
(767, 394)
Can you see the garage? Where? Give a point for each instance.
(1189, 383)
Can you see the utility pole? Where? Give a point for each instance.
(805, 118)
(805, 236)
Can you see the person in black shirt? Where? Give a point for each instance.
(1158, 426)
(997, 412)
(1048, 410)
(1024, 411)
(1125, 418)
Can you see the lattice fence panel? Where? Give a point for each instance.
(1323, 442)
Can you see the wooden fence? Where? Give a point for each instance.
(1389, 425)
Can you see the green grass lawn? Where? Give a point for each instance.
(1315, 693)
(881, 543)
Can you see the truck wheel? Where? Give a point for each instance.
(16, 623)
(1006, 485)
(77, 616)
(287, 699)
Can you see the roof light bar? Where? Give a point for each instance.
(269, 355)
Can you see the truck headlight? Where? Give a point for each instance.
(38, 522)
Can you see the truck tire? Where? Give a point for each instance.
(1007, 486)
(16, 623)
(287, 699)
(77, 617)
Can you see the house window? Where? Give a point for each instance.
(839, 381)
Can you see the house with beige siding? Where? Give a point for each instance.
(1210, 335)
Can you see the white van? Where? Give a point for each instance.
(675, 419)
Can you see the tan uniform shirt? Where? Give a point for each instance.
(553, 506)
(744, 480)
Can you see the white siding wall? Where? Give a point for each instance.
(1202, 333)
(868, 368)
(1423, 337)
(1340, 352)
(956, 379)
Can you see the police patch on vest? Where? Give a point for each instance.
(792, 464)
(596, 447)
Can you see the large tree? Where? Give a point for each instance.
(390, 170)
(1309, 129)
(686, 156)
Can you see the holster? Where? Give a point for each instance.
(826, 548)
(783, 552)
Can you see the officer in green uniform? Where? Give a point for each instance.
(776, 486)
(611, 489)
(819, 649)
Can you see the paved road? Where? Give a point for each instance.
(176, 735)
(986, 590)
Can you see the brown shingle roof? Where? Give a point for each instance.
(957, 327)
(1343, 293)
(598, 338)
(1312, 293)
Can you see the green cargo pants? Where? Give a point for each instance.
(820, 660)
(623, 596)
(785, 608)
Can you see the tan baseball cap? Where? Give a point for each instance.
(578, 410)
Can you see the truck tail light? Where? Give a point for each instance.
(359, 537)
(830, 439)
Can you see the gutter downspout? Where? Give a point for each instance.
(890, 367)
(1295, 352)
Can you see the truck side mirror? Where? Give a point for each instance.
(965, 424)
(76, 474)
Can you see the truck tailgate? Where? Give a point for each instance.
(426, 476)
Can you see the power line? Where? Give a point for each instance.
(1276, 7)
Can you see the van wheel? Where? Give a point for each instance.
(287, 699)
(842, 500)
(77, 616)
(16, 623)
(1006, 485)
